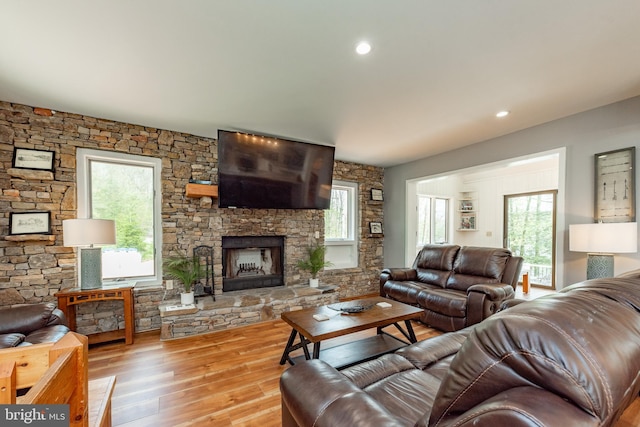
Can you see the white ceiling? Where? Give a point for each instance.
(438, 72)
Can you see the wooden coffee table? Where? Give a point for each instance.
(310, 330)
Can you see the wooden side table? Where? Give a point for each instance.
(68, 299)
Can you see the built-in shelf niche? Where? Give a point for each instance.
(467, 212)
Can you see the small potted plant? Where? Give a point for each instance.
(314, 262)
(186, 270)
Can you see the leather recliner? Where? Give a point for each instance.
(570, 359)
(31, 324)
(456, 286)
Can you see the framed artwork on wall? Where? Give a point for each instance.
(615, 186)
(30, 223)
(376, 194)
(26, 158)
(375, 227)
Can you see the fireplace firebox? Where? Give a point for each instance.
(250, 262)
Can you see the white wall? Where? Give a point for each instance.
(603, 129)
(490, 187)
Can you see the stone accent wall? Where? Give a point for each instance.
(33, 269)
(239, 308)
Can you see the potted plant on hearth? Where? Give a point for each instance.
(314, 262)
(187, 270)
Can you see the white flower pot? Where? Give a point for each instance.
(187, 298)
(313, 283)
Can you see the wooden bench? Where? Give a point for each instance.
(57, 373)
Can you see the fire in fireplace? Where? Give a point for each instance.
(250, 262)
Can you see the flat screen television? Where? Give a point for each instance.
(264, 172)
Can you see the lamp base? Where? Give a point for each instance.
(90, 268)
(599, 266)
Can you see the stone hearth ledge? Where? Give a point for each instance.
(241, 308)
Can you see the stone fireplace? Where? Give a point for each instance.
(250, 262)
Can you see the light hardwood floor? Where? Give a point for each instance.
(227, 378)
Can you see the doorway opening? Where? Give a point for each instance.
(488, 184)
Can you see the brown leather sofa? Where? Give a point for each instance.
(567, 359)
(31, 324)
(457, 286)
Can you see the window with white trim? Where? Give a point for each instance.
(433, 220)
(340, 236)
(125, 188)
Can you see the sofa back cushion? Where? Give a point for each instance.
(582, 344)
(434, 263)
(475, 265)
(25, 319)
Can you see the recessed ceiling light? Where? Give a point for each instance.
(363, 48)
(503, 113)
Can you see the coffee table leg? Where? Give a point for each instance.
(316, 350)
(288, 348)
(408, 333)
(303, 344)
(412, 335)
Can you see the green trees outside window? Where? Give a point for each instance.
(124, 193)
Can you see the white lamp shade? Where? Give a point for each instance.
(611, 237)
(87, 232)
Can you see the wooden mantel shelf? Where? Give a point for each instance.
(30, 237)
(202, 190)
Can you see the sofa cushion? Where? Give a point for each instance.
(407, 406)
(475, 265)
(406, 382)
(11, 340)
(485, 262)
(26, 318)
(442, 322)
(425, 354)
(47, 334)
(434, 277)
(405, 291)
(436, 257)
(329, 398)
(444, 301)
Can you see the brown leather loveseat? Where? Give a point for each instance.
(457, 286)
(567, 359)
(31, 324)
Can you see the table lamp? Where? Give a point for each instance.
(89, 232)
(601, 241)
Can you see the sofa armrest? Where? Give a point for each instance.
(57, 317)
(316, 394)
(11, 340)
(485, 299)
(399, 274)
(494, 291)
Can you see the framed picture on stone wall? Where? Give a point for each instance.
(30, 223)
(26, 158)
(375, 228)
(376, 194)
